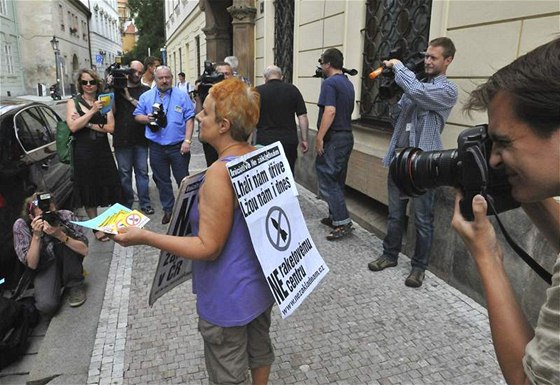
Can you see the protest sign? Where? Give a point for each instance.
(267, 195)
(114, 218)
(173, 270)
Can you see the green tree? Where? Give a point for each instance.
(149, 19)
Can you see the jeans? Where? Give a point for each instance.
(161, 159)
(129, 158)
(331, 172)
(424, 219)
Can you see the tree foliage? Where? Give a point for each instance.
(150, 21)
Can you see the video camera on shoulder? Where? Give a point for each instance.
(466, 167)
(119, 73)
(208, 78)
(44, 203)
(388, 87)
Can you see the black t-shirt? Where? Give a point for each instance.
(280, 102)
(127, 131)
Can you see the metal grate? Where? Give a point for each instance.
(390, 24)
(284, 37)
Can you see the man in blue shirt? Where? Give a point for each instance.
(418, 119)
(170, 138)
(334, 141)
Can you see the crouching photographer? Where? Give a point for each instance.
(53, 249)
(522, 100)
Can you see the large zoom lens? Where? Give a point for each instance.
(415, 171)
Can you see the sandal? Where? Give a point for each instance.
(340, 232)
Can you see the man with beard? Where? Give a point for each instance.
(169, 133)
(418, 119)
(129, 141)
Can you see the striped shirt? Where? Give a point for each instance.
(426, 106)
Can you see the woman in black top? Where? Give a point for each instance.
(96, 181)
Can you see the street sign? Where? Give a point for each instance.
(98, 59)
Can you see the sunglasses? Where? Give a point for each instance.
(88, 82)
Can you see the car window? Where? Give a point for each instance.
(33, 129)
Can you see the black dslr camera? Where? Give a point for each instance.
(414, 62)
(160, 119)
(208, 78)
(119, 74)
(44, 203)
(465, 167)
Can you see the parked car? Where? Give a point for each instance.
(28, 163)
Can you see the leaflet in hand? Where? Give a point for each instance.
(107, 100)
(114, 218)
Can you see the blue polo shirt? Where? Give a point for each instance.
(178, 109)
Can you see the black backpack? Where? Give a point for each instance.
(17, 320)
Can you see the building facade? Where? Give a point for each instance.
(37, 23)
(105, 32)
(11, 77)
(185, 38)
(293, 34)
(129, 32)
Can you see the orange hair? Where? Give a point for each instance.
(237, 103)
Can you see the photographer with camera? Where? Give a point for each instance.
(418, 119)
(129, 140)
(523, 104)
(212, 74)
(169, 120)
(334, 141)
(53, 248)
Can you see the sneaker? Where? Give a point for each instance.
(76, 296)
(415, 278)
(148, 210)
(340, 232)
(327, 222)
(381, 263)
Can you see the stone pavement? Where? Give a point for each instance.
(357, 327)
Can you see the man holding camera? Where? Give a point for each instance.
(523, 104)
(169, 120)
(334, 141)
(53, 248)
(418, 119)
(129, 140)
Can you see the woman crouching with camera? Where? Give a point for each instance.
(233, 300)
(53, 249)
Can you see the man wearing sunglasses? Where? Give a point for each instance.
(334, 141)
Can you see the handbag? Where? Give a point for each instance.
(64, 141)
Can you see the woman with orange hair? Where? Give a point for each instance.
(233, 299)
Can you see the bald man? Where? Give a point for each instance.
(129, 141)
(280, 104)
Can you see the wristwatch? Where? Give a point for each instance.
(188, 141)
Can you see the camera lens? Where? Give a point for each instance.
(415, 171)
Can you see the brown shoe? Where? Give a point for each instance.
(381, 263)
(415, 278)
(166, 218)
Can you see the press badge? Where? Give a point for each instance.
(178, 109)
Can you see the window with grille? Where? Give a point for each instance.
(284, 37)
(390, 24)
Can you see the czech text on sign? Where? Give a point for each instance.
(267, 195)
(173, 270)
